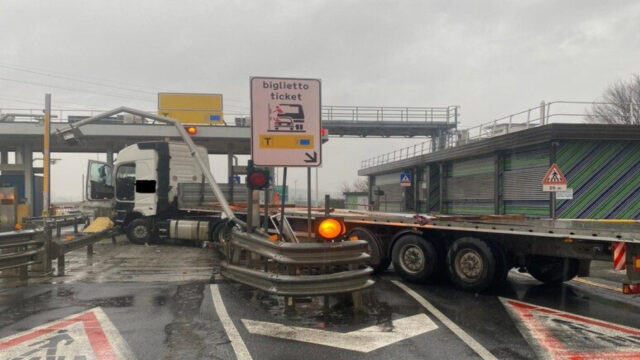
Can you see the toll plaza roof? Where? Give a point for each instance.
(103, 137)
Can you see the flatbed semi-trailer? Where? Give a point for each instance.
(477, 252)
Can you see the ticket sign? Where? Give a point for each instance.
(285, 122)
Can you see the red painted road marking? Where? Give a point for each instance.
(559, 335)
(70, 335)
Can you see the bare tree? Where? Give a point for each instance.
(622, 104)
(359, 185)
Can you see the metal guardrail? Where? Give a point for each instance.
(296, 269)
(545, 113)
(20, 249)
(447, 114)
(37, 247)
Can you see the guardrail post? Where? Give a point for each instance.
(23, 274)
(61, 264)
(43, 267)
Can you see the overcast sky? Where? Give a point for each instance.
(491, 58)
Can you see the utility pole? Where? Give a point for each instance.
(46, 163)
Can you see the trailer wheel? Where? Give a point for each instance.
(471, 264)
(379, 259)
(415, 258)
(551, 269)
(138, 231)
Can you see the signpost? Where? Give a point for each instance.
(554, 180)
(405, 179)
(285, 127)
(285, 122)
(188, 108)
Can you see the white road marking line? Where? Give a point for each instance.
(242, 353)
(471, 342)
(363, 340)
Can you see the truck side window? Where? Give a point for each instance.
(125, 182)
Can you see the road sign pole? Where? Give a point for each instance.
(284, 200)
(309, 203)
(46, 158)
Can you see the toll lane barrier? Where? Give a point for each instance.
(296, 269)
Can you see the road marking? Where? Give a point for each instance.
(242, 353)
(363, 340)
(597, 284)
(86, 335)
(554, 334)
(471, 342)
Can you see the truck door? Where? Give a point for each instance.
(99, 183)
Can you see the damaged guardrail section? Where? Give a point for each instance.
(296, 269)
(20, 249)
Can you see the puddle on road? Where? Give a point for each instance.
(322, 311)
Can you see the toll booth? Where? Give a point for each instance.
(17, 181)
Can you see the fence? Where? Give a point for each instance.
(545, 113)
(34, 249)
(447, 115)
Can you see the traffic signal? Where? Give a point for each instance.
(324, 134)
(191, 130)
(257, 179)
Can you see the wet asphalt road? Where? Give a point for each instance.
(177, 319)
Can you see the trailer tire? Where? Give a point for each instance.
(414, 258)
(551, 269)
(379, 261)
(472, 264)
(138, 231)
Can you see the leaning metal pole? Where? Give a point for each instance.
(73, 129)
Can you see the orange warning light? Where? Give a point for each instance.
(331, 228)
(636, 263)
(191, 130)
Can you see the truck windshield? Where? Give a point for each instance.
(125, 182)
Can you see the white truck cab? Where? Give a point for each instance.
(143, 183)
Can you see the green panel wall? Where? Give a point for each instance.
(605, 177)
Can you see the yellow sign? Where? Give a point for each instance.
(192, 108)
(270, 141)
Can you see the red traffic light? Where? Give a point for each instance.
(258, 179)
(191, 130)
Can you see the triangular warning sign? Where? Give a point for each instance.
(555, 334)
(87, 335)
(554, 176)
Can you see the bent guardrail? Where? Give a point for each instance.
(20, 249)
(300, 269)
(31, 251)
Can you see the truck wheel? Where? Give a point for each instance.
(551, 269)
(415, 258)
(138, 231)
(379, 259)
(471, 264)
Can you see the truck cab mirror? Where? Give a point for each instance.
(99, 181)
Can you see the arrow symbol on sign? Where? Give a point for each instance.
(311, 158)
(363, 340)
